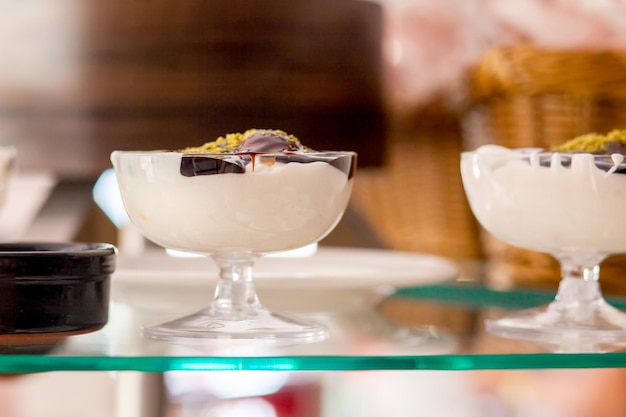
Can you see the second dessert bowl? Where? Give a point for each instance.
(568, 205)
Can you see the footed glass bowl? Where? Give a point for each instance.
(235, 208)
(567, 205)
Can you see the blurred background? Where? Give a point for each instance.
(408, 84)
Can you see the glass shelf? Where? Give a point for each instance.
(434, 327)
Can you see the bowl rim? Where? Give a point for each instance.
(525, 152)
(230, 154)
(56, 249)
(55, 260)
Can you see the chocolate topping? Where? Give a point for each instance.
(602, 162)
(236, 150)
(600, 145)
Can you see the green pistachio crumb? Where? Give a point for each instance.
(594, 142)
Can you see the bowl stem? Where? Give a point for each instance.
(236, 312)
(579, 318)
(235, 296)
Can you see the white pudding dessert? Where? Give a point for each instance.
(262, 196)
(554, 202)
(566, 202)
(237, 198)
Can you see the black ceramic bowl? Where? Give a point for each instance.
(52, 290)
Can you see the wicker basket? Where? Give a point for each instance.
(524, 96)
(416, 201)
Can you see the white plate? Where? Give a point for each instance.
(329, 267)
(332, 279)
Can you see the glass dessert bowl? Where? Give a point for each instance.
(236, 206)
(564, 204)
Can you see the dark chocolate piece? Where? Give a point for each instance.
(268, 141)
(192, 166)
(615, 147)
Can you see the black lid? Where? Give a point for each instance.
(48, 259)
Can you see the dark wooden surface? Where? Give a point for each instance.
(156, 74)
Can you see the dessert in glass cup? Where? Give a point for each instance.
(237, 198)
(568, 202)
